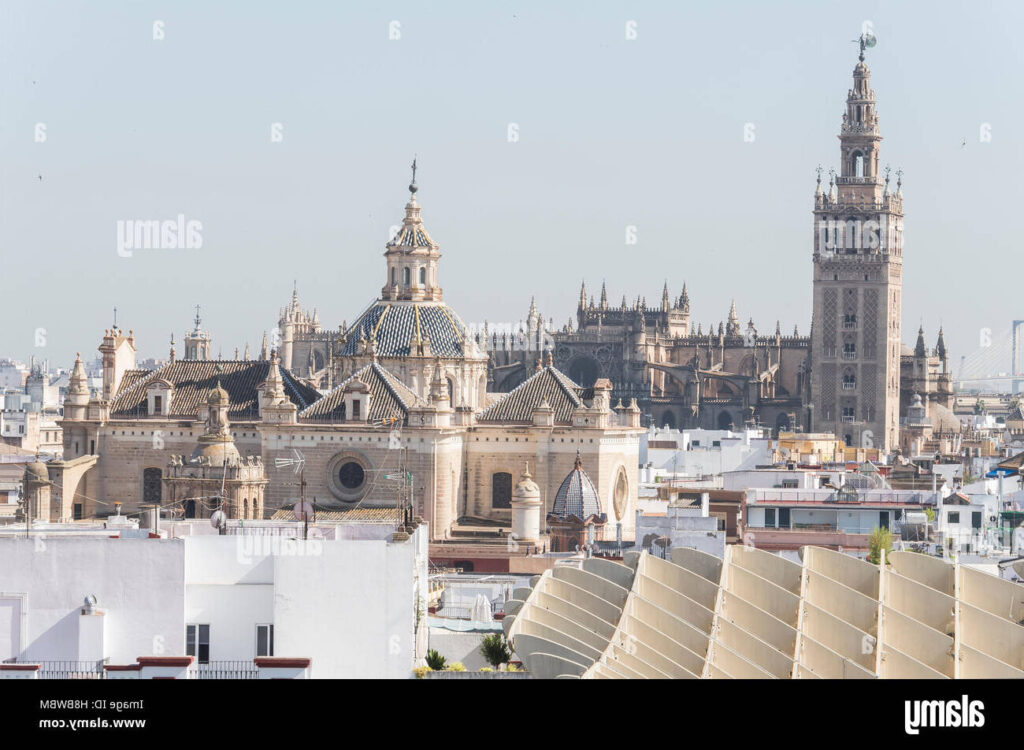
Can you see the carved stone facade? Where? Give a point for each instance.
(858, 278)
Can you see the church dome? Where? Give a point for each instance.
(943, 419)
(393, 326)
(577, 496)
(36, 472)
(218, 453)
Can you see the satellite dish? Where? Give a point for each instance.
(218, 519)
(303, 511)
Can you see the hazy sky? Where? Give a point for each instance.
(612, 133)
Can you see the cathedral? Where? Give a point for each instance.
(852, 376)
(408, 408)
(392, 413)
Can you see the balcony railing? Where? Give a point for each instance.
(849, 355)
(224, 670)
(849, 386)
(66, 669)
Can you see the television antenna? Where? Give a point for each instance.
(298, 461)
(302, 510)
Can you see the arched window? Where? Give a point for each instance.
(725, 421)
(405, 276)
(245, 508)
(423, 275)
(190, 509)
(858, 164)
(152, 489)
(394, 276)
(501, 490)
(451, 392)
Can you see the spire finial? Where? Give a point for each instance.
(412, 185)
(198, 319)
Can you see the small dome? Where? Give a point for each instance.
(577, 496)
(944, 420)
(36, 472)
(218, 396)
(526, 488)
(218, 453)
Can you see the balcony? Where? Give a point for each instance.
(849, 355)
(849, 385)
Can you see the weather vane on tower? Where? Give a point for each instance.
(412, 185)
(867, 40)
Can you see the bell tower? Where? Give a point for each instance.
(858, 266)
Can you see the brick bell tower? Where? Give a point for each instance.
(858, 264)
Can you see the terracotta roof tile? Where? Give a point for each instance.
(519, 404)
(194, 379)
(389, 397)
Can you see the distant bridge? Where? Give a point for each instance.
(998, 361)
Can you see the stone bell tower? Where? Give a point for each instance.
(858, 265)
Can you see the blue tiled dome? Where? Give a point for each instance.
(394, 324)
(577, 496)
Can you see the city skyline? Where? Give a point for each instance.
(600, 150)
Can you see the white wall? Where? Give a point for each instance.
(138, 583)
(350, 605)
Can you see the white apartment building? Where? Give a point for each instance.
(354, 604)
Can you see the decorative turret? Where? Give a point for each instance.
(412, 257)
(919, 348)
(198, 341)
(733, 326)
(275, 406)
(76, 401)
(118, 353)
(526, 507)
(36, 489)
(216, 446)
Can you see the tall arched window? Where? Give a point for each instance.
(858, 164)
(423, 275)
(394, 275)
(405, 276)
(501, 490)
(151, 485)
